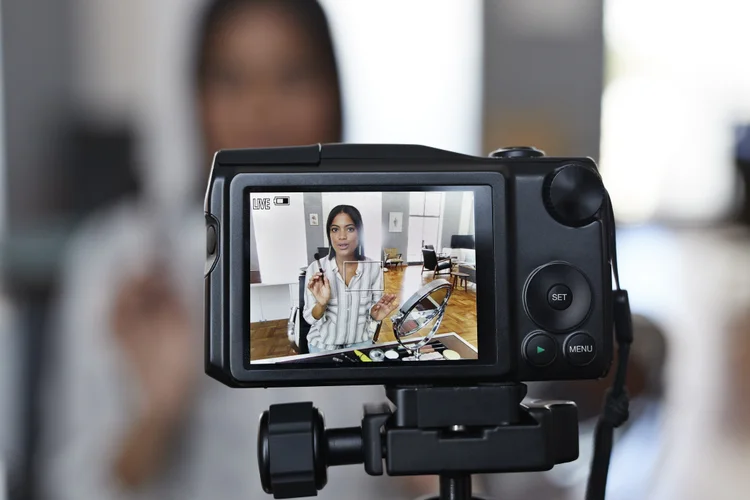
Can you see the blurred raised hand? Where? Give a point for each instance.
(152, 329)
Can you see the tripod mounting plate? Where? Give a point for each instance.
(545, 436)
(443, 407)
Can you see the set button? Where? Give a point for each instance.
(559, 297)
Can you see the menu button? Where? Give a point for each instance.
(580, 349)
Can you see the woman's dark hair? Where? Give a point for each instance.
(356, 217)
(310, 17)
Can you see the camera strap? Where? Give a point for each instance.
(616, 402)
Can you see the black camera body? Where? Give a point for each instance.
(543, 289)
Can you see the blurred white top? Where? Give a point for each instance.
(89, 399)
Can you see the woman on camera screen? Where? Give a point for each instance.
(344, 300)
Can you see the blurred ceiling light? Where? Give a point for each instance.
(669, 111)
(630, 157)
(411, 71)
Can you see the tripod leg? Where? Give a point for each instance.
(455, 487)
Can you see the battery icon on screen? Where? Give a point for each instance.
(281, 200)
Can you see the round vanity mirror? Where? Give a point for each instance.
(422, 313)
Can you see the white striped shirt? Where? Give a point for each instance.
(346, 319)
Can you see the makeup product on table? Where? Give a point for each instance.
(450, 354)
(431, 356)
(362, 356)
(391, 354)
(343, 358)
(376, 355)
(349, 357)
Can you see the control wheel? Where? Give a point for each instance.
(517, 152)
(574, 194)
(557, 297)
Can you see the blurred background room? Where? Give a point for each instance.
(110, 111)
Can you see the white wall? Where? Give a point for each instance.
(466, 225)
(273, 302)
(370, 206)
(281, 247)
(280, 238)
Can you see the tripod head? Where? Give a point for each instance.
(449, 431)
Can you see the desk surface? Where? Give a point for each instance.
(449, 340)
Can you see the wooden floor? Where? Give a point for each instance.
(269, 338)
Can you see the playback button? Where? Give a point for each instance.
(540, 349)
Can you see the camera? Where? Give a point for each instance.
(447, 278)
(378, 264)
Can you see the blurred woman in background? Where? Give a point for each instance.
(130, 413)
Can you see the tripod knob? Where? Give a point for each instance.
(291, 444)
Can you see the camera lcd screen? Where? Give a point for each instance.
(362, 277)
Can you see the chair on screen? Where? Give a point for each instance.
(297, 327)
(392, 257)
(462, 241)
(431, 262)
(440, 255)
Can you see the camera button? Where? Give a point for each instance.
(580, 349)
(564, 316)
(517, 152)
(211, 240)
(540, 349)
(559, 297)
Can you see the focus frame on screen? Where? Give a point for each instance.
(491, 240)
